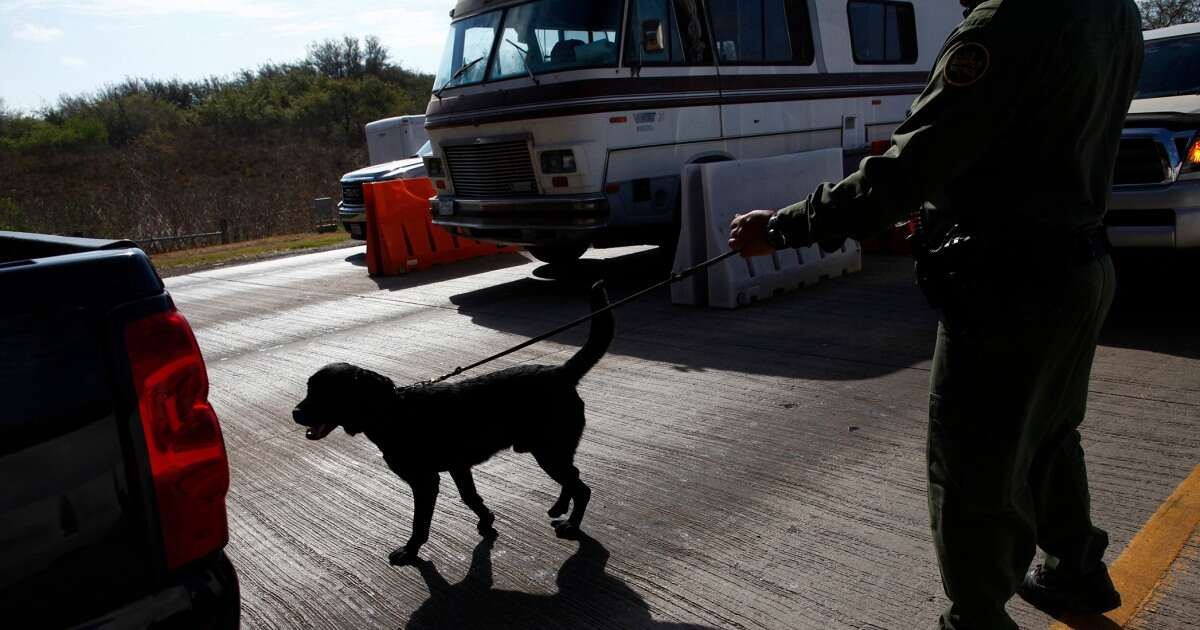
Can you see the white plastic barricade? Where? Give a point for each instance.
(693, 239)
(714, 193)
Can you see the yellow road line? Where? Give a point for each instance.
(1145, 562)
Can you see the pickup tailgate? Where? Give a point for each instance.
(77, 518)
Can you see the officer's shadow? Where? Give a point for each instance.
(587, 597)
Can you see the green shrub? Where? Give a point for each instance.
(128, 117)
(39, 136)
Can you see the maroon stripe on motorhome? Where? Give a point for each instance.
(476, 109)
(551, 92)
(760, 81)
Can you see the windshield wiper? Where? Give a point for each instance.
(524, 60)
(457, 74)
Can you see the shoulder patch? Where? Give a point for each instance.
(966, 64)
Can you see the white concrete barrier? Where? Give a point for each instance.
(714, 193)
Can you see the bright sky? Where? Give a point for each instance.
(53, 47)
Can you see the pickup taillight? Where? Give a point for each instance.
(183, 438)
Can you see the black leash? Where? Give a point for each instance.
(676, 276)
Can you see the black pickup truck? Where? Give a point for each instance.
(113, 472)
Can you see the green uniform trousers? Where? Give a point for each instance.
(1008, 392)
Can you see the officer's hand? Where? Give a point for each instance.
(748, 233)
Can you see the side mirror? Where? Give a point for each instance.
(652, 36)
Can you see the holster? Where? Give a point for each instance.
(945, 264)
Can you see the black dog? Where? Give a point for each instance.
(427, 429)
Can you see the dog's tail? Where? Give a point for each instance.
(598, 339)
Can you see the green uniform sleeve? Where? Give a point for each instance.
(966, 106)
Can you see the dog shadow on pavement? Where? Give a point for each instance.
(587, 597)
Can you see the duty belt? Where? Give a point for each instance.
(1080, 248)
(1074, 249)
(958, 262)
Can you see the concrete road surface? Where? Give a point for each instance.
(758, 468)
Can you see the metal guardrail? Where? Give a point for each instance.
(163, 239)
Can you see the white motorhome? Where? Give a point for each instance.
(558, 124)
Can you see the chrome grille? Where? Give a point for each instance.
(490, 170)
(1141, 161)
(352, 193)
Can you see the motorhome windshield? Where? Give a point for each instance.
(536, 37)
(1171, 68)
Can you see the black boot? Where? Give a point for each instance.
(1056, 593)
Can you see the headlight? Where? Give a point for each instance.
(434, 167)
(558, 161)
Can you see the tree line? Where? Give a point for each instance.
(147, 158)
(329, 95)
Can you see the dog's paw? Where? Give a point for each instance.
(566, 530)
(403, 557)
(485, 527)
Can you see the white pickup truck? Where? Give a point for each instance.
(351, 212)
(1156, 185)
(392, 146)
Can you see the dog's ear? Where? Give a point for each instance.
(373, 382)
(376, 395)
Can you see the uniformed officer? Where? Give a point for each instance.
(1013, 142)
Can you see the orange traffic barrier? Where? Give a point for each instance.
(401, 236)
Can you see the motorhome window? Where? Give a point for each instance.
(555, 35)
(468, 45)
(799, 31)
(547, 38)
(644, 14)
(690, 19)
(738, 29)
(1171, 68)
(773, 32)
(883, 32)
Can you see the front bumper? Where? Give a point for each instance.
(525, 221)
(354, 219)
(1159, 216)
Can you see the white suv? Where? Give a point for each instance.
(1156, 185)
